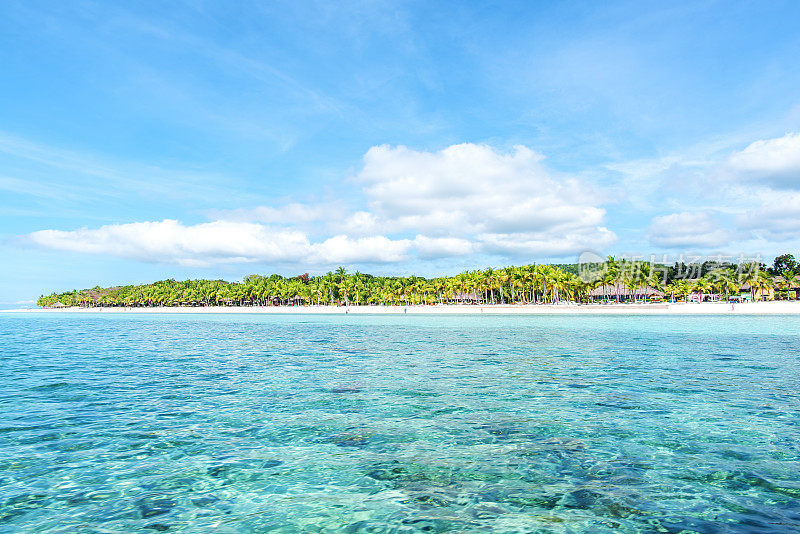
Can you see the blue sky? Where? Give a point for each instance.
(142, 141)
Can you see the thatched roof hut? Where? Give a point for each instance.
(465, 297)
(619, 290)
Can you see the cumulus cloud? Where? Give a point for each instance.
(461, 200)
(773, 162)
(687, 229)
(210, 243)
(478, 193)
(442, 247)
(375, 249)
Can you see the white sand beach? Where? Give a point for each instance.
(705, 308)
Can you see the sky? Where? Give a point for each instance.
(141, 141)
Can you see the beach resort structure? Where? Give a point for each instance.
(621, 293)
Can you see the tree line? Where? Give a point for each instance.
(527, 284)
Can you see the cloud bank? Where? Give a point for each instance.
(745, 199)
(211, 243)
(772, 162)
(473, 200)
(461, 200)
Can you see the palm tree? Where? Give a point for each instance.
(609, 278)
(329, 282)
(631, 283)
(358, 285)
(489, 279)
(762, 281)
(680, 288)
(515, 284)
(725, 281)
(791, 281)
(506, 276)
(704, 285)
(748, 277)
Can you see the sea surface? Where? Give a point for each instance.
(402, 424)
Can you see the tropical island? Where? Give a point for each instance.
(612, 281)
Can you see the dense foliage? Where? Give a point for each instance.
(524, 284)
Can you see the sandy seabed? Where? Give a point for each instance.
(705, 308)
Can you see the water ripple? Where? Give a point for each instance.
(399, 424)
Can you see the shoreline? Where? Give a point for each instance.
(705, 308)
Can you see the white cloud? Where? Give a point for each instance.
(477, 193)
(170, 241)
(442, 247)
(687, 229)
(773, 162)
(777, 218)
(293, 213)
(358, 223)
(458, 201)
(375, 249)
(210, 243)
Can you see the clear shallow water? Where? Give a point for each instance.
(399, 424)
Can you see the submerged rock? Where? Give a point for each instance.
(501, 432)
(224, 470)
(404, 476)
(544, 500)
(205, 500)
(155, 507)
(391, 473)
(429, 499)
(581, 499)
(158, 527)
(741, 480)
(347, 388)
(486, 511)
(435, 524)
(354, 439)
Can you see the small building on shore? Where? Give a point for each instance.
(621, 293)
(464, 298)
(763, 294)
(785, 289)
(701, 296)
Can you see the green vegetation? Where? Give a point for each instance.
(617, 280)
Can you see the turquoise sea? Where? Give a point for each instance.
(146, 423)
